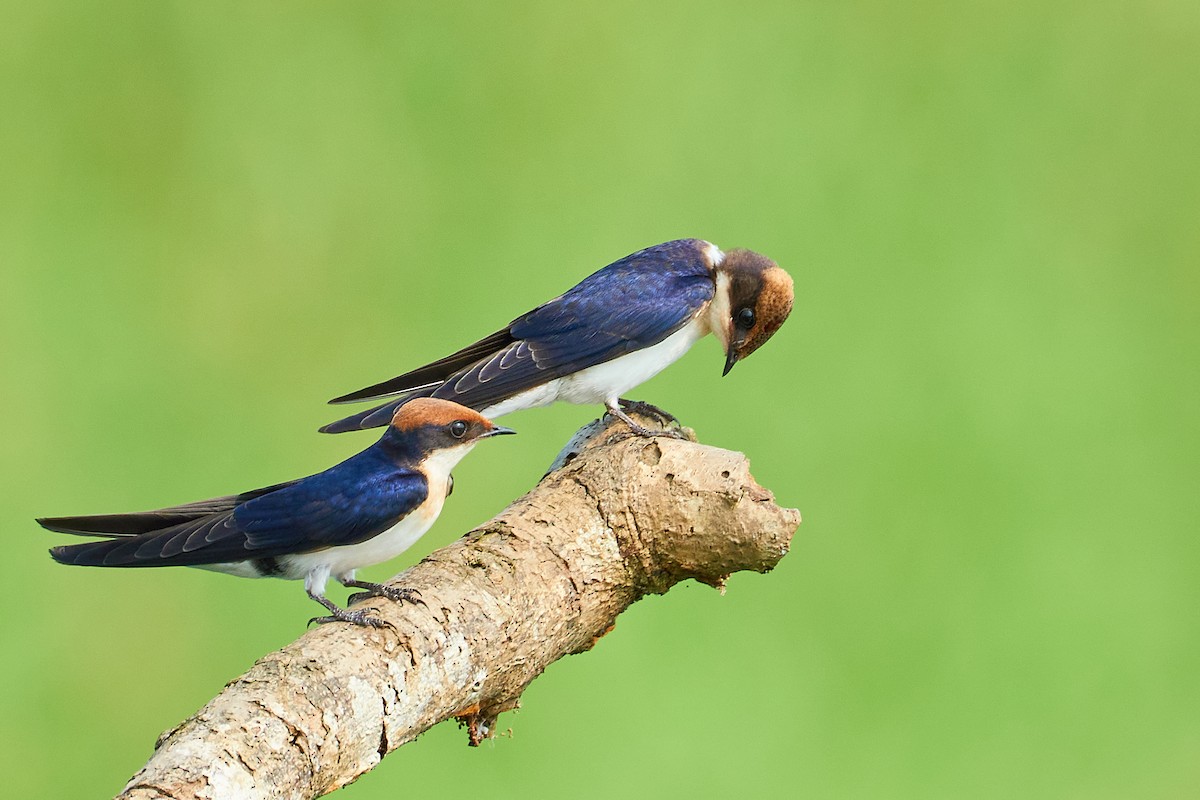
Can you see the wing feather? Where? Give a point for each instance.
(432, 374)
(132, 524)
(348, 504)
(630, 304)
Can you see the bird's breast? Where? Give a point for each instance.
(614, 378)
(379, 548)
(541, 395)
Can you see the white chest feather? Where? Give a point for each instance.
(401, 536)
(342, 561)
(387, 545)
(609, 380)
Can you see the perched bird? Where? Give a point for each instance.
(367, 509)
(614, 330)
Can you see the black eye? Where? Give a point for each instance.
(745, 318)
(458, 428)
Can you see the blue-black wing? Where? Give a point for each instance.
(614, 312)
(434, 373)
(347, 504)
(132, 524)
(630, 304)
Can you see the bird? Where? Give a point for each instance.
(614, 330)
(365, 510)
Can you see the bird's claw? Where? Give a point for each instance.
(648, 433)
(642, 430)
(394, 593)
(402, 595)
(360, 617)
(670, 424)
(650, 410)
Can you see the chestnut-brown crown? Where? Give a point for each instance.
(429, 412)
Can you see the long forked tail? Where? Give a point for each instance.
(430, 376)
(95, 554)
(140, 522)
(208, 539)
(371, 418)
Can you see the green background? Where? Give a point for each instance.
(215, 216)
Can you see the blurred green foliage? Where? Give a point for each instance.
(214, 216)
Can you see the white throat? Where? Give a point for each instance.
(438, 466)
(720, 309)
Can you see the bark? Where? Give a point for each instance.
(616, 518)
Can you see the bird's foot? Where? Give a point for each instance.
(396, 594)
(649, 410)
(361, 618)
(642, 430)
(339, 614)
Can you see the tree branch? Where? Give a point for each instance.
(618, 517)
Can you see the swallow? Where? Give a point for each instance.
(367, 509)
(614, 330)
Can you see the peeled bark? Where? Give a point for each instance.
(617, 518)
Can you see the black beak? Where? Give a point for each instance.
(497, 431)
(731, 358)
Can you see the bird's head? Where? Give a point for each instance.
(754, 297)
(440, 430)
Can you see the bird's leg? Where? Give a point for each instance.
(396, 593)
(616, 411)
(640, 430)
(339, 614)
(650, 410)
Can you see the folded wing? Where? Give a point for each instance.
(336, 507)
(138, 522)
(628, 305)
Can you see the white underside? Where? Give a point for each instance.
(606, 382)
(341, 562)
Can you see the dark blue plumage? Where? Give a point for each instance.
(346, 504)
(629, 305)
(365, 510)
(622, 308)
